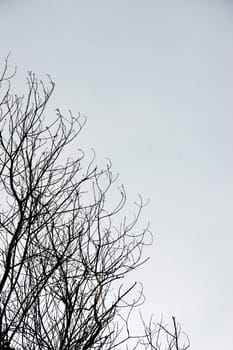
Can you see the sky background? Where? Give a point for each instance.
(155, 80)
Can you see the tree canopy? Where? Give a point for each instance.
(65, 248)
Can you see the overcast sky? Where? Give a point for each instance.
(155, 80)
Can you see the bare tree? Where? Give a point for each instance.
(63, 249)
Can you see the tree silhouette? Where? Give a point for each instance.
(64, 247)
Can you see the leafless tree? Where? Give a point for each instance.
(63, 249)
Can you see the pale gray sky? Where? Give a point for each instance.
(155, 79)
